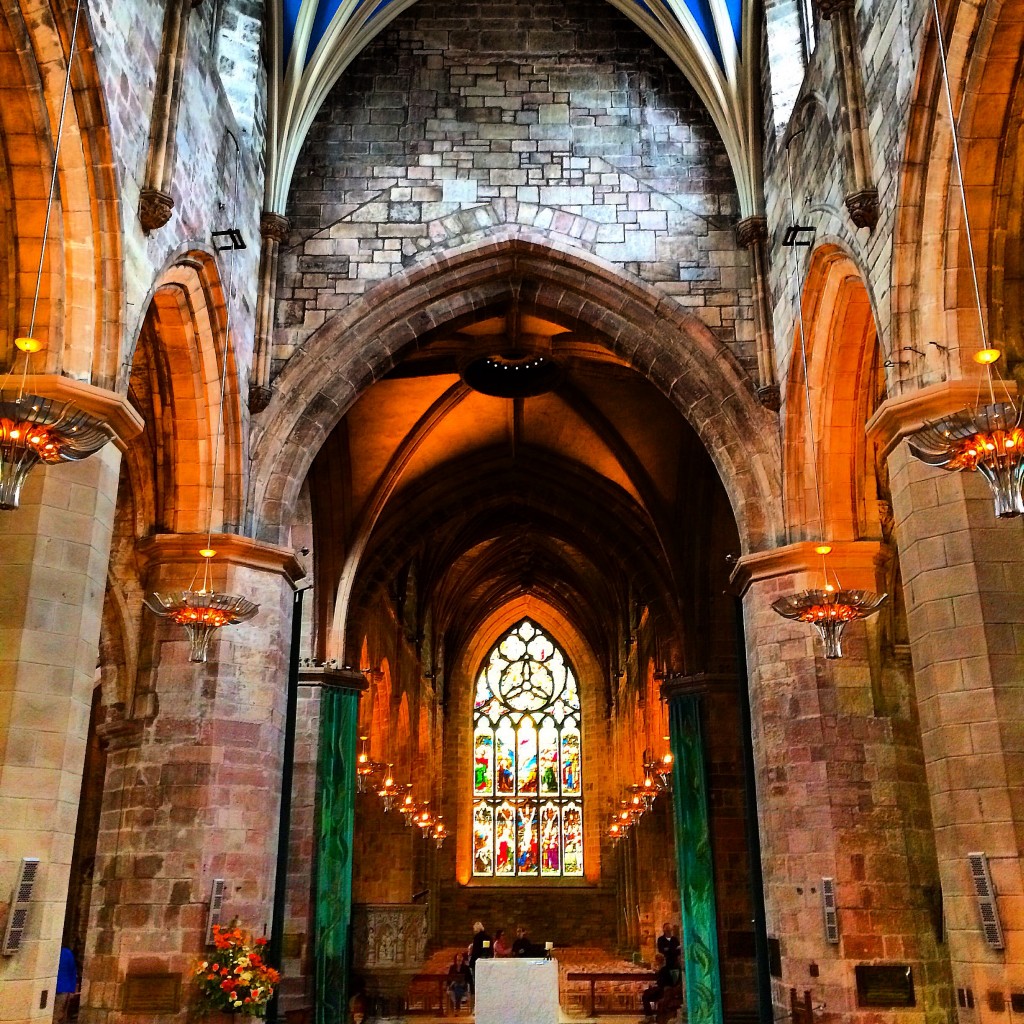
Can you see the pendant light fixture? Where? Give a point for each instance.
(985, 438)
(34, 429)
(202, 612)
(829, 608)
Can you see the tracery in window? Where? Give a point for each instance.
(527, 785)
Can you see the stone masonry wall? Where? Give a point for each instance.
(804, 154)
(562, 118)
(215, 185)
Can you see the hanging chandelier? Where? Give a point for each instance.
(829, 611)
(34, 429)
(986, 439)
(388, 791)
(202, 612)
(439, 833)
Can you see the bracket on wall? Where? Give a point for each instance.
(228, 239)
(796, 235)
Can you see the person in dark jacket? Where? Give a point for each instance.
(668, 946)
(479, 949)
(663, 979)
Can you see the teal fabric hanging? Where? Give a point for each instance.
(694, 862)
(336, 794)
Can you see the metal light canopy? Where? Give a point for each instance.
(201, 612)
(35, 429)
(988, 440)
(829, 611)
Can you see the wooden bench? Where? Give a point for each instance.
(430, 992)
(595, 977)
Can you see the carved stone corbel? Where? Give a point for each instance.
(155, 199)
(861, 194)
(274, 230)
(752, 235)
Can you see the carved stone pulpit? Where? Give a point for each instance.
(389, 942)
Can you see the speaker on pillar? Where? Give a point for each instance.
(17, 919)
(216, 908)
(990, 924)
(830, 911)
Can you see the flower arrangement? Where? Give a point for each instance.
(235, 978)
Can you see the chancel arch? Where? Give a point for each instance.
(322, 381)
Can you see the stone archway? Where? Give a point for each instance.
(680, 356)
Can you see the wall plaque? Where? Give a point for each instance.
(885, 985)
(152, 993)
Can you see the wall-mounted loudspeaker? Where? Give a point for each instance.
(17, 920)
(830, 911)
(991, 927)
(216, 908)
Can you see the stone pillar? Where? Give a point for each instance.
(193, 783)
(155, 199)
(273, 230)
(701, 959)
(861, 193)
(336, 796)
(55, 550)
(841, 796)
(963, 575)
(752, 235)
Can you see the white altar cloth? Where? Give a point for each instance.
(517, 990)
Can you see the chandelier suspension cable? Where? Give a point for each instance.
(954, 134)
(208, 552)
(823, 547)
(830, 609)
(29, 348)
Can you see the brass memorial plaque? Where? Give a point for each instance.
(885, 985)
(152, 993)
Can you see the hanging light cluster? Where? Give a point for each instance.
(984, 438)
(201, 612)
(34, 429)
(829, 609)
(639, 798)
(378, 777)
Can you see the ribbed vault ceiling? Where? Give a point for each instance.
(594, 498)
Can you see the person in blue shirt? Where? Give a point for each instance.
(67, 984)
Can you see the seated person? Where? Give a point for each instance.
(663, 979)
(501, 946)
(459, 979)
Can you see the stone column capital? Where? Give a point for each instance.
(245, 552)
(110, 408)
(274, 226)
(858, 563)
(343, 678)
(751, 230)
(901, 415)
(827, 8)
(155, 208)
(683, 685)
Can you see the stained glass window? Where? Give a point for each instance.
(527, 761)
